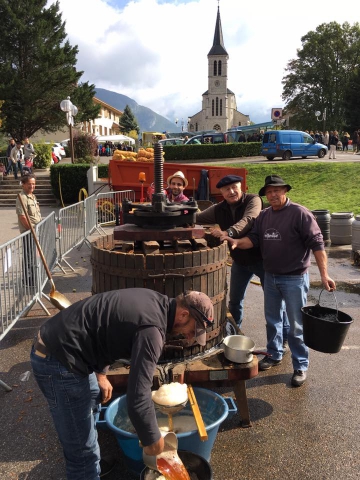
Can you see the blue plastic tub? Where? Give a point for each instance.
(214, 410)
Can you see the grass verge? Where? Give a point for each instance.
(317, 186)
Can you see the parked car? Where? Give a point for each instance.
(208, 138)
(171, 141)
(291, 143)
(57, 149)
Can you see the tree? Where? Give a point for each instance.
(37, 69)
(318, 77)
(352, 102)
(128, 121)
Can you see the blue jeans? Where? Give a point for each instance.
(293, 290)
(12, 166)
(73, 402)
(239, 280)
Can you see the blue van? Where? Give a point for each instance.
(291, 143)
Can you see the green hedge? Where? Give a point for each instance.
(206, 151)
(72, 178)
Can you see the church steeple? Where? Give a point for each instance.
(218, 43)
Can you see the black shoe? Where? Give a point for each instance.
(285, 347)
(267, 363)
(107, 465)
(229, 329)
(298, 378)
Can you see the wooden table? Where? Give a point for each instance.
(211, 371)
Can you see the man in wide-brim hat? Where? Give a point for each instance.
(286, 233)
(176, 186)
(235, 215)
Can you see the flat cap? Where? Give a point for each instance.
(228, 179)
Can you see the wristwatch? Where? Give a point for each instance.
(230, 232)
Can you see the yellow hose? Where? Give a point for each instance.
(83, 190)
(61, 198)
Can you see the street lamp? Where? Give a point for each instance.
(323, 119)
(71, 111)
(188, 124)
(182, 123)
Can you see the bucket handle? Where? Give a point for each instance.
(336, 303)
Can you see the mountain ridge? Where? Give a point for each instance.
(148, 120)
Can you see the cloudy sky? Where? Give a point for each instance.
(155, 51)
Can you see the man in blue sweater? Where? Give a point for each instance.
(286, 233)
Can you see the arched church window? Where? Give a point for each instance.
(217, 106)
(212, 107)
(215, 68)
(219, 68)
(220, 107)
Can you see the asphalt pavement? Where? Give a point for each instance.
(308, 433)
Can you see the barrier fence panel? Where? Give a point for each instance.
(90, 215)
(18, 280)
(106, 205)
(46, 234)
(5, 162)
(70, 228)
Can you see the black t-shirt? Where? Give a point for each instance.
(120, 324)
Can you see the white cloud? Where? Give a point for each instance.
(156, 51)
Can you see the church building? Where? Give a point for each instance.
(219, 111)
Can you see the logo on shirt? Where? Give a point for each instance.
(272, 234)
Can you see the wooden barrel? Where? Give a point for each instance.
(169, 273)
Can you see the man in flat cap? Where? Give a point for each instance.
(176, 186)
(236, 215)
(286, 233)
(73, 350)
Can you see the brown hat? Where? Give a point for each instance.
(178, 174)
(273, 181)
(202, 309)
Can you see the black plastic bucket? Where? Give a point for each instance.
(325, 328)
(193, 463)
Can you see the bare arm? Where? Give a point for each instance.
(321, 261)
(243, 243)
(24, 222)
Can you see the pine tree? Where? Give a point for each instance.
(128, 121)
(37, 69)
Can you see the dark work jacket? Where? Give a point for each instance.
(120, 324)
(224, 218)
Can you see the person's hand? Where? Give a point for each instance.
(216, 232)
(328, 284)
(105, 387)
(155, 448)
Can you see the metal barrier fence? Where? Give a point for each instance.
(106, 205)
(46, 234)
(4, 161)
(70, 229)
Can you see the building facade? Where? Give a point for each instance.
(107, 123)
(219, 111)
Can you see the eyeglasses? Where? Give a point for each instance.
(208, 322)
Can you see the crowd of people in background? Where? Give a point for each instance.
(335, 141)
(107, 149)
(20, 157)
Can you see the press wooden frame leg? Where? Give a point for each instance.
(242, 402)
